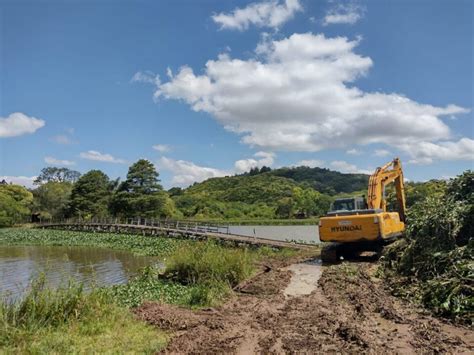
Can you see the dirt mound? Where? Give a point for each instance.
(350, 311)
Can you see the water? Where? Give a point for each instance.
(303, 233)
(99, 266)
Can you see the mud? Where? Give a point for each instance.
(348, 311)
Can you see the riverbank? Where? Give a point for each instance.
(193, 275)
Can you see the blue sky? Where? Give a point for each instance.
(346, 85)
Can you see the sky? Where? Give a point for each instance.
(206, 88)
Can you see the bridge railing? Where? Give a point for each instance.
(182, 225)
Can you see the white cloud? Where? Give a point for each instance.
(54, 161)
(382, 153)
(20, 180)
(103, 157)
(271, 13)
(312, 163)
(244, 165)
(162, 148)
(348, 13)
(17, 124)
(427, 152)
(354, 151)
(345, 167)
(62, 139)
(298, 94)
(147, 77)
(186, 172)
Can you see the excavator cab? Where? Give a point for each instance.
(348, 204)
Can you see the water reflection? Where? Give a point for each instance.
(100, 266)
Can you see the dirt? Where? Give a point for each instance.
(348, 311)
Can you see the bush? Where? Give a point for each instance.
(434, 263)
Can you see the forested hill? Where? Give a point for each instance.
(324, 180)
(265, 193)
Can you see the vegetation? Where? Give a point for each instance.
(52, 199)
(141, 195)
(434, 263)
(14, 204)
(195, 273)
(91, 195)
(324, 180)
(140, 245)
(251, 196)
(69, 320)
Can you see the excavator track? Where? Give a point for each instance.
(332, 253)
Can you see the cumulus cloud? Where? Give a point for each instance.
(162, 148)
(273, 14)
(262, 159)
(103, 157)
(311, 163)
(186, 172)
(25, 181)
(344, 13)
(345, 167)
(382, 153)
(18, 124)
(427, 152)
(147, 77)
(54, 161)
(298, 94)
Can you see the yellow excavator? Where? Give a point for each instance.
(354, 225)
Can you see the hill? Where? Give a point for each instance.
(280, 193)
(324, 180)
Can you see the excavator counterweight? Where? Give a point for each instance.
(354, 224)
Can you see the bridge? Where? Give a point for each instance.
(168, 228)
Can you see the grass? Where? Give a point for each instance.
(67, 319)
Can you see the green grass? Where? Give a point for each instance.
(69, 320)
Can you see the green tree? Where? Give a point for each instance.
(54, 174)
(15, 202)
(91, 195)
(141, 195)
(51, 199)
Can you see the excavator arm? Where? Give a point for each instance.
(390, 172)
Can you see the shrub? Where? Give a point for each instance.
(434, 263)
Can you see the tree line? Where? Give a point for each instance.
(64, 193)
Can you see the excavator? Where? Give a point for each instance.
(356, 225)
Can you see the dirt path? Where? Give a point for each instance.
(347, 311)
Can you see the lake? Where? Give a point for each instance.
(100, 266)
(303, 233)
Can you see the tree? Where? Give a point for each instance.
(141, 195)
(91, 195)
(15, 202)
(54, 174)
(51, 200)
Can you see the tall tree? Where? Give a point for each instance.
(141, 195)
(54, 174)
(91, 195)
(51, 199)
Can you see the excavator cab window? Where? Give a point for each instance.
(349, 204)
(344, 204)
